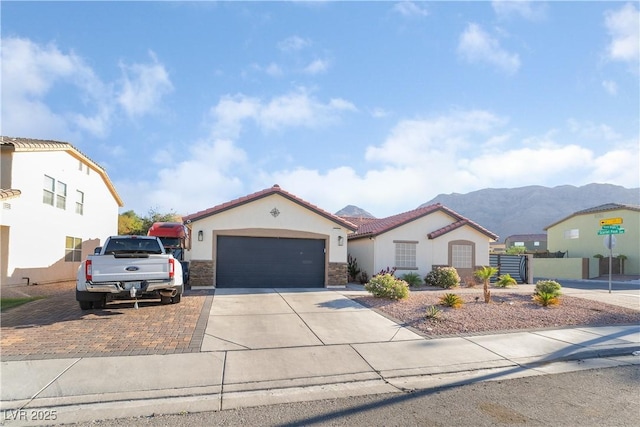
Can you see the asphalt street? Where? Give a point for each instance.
(599, 397)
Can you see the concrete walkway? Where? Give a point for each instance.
(273, 346)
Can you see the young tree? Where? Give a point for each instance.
(129, 223)
(485, 274)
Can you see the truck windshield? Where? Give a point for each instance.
(123, 246)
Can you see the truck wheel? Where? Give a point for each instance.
(176, 299)
(165, 300)
(85, 305)
(100, 304)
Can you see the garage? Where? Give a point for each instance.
(259, 262)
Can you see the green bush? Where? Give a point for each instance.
(546, 299)
(505, 281)
(413, 279)
(548, 287)
(443, 277)
(387, 286)
(451, 300)
(433, 312)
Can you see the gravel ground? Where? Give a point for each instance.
(508, 311)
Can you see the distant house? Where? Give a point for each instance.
(268, 239)
(418, 240)
(580, 235)
(57, 205)
(532, 242)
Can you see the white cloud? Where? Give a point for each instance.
(410, 9)
(218, 166)
(30, 72)
(293, 43)
(591, 131)
(623, 26)
(317, 66)
(477, 46)
(529, 10)
(620, 165)
(295, 109)
(143, 86)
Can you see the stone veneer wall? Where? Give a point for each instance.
(201, 272)
(337, 274)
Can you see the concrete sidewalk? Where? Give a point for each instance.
(280, 345)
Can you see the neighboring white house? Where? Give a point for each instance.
(270, 238)
(418, 240)
(57, 206)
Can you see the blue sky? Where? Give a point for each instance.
(379, 104)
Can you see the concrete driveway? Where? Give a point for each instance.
(251, 319)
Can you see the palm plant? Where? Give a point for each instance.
(485, 273)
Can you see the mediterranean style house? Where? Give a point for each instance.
(57, 206)
(268, 239)
(419, 240)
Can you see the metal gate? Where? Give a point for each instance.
(515, 265)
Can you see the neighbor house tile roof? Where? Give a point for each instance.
(32, 145)
(527, 237)
(265, 193)
(9, 194)
(601, 208)
(374, 227)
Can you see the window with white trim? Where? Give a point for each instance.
(406, 255)
(461, 256)
(49, 190)
(61, 195)
(73, 249)
(572, 234)
(79, 202)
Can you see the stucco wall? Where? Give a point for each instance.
(37, 231)
(429, 252)
(561, 268)
(255, 219)
(585, 242)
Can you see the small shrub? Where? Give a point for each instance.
(387, 286)
(413, 279)
(443, 277)
(548, 287)
(546, 299)
(547, 292)
(388, 270)
(364, 277)
(470, 281)
(505, 281)
(433, 312)
(352, 268)
(451, 300)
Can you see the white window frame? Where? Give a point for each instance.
(461, 255)
(405, 254)
(49, 190)
(79, 202)
(61, 195)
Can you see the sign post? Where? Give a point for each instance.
(609, 227)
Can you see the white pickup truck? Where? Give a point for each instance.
(129, 267)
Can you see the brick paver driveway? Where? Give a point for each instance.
(55, 327)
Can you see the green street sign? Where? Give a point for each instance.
(610, 227)
(611, 231)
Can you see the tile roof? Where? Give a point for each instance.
(601, 208)
(375, 227)
(527, 237)
(32, 145)
(9, 193)
(265, 193)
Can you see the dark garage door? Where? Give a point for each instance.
(266, 262)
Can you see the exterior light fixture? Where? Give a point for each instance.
(340, 241)
(200, 236)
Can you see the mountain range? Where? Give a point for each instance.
(524, 210)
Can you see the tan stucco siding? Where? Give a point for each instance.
(256, 219)
(578, 235)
